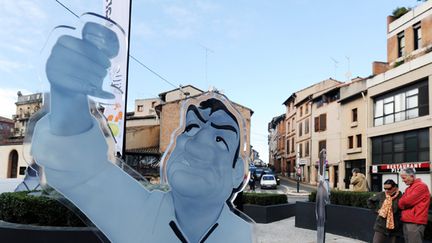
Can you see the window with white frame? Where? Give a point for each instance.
(417, 36)
(402, 105)
(401, 44)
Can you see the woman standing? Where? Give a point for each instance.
(387, 225)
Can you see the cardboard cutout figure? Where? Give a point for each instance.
(203, 166)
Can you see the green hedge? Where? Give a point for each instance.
(400, 11)
(19, 207)
(264, 199)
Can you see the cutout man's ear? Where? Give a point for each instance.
(238, 172)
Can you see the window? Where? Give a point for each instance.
(402, 105)
(401, 44)
(301, 150)
(292, 145)
(140, 108)
(289, 126)
(350, 142)
(417, 36)
(306, 108)
(300, 129)
(354, 115)
(359, 140)
(301, 111)
(306, 126)
(288, 146)
(307, 149)
(320, 123)
(412, 146)
(22, 170)
(321, 145)
(293, 128)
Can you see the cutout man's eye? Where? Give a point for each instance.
(191, 129)
(220, 139)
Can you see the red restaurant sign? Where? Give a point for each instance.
(395, 168)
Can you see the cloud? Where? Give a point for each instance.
(183, 22)
(11, 66)
(142, 30)
(20, 24)
(206, 6)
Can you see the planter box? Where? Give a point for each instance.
(21, 233)
(268, 214)
(352, 222)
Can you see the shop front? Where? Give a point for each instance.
(381, 173)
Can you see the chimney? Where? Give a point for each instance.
(379, 67)
(390, 19)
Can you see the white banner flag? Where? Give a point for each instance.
(119, 12)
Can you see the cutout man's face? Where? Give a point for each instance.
(201, 164)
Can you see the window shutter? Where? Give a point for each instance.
(317, 124)
(323, 122)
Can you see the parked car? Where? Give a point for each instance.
(268, 181)
(268, 171)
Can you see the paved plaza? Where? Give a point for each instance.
(285, 231)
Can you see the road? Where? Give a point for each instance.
(293, 184)
(289, 188)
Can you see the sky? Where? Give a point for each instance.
(256, 52)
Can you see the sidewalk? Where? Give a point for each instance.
(302, 184)
(285, 231)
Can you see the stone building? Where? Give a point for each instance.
(14, 154)
(6, 129)
(290, 136)
(277, 145)
(298, 130)
(325, 134)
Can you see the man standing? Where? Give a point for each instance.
(414, 205)
(358, 180)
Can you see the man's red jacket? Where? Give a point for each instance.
(415, 203)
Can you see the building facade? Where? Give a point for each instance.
(14, 154)
(6, 129)
(399, 128)
(325, 135)
(353, 110)
(290, 135)
(380, 124)
(277, 155)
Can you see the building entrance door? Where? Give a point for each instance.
(336, 176)
(351, 164)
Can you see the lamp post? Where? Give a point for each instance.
(298, 170)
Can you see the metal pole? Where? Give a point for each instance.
(298, 168)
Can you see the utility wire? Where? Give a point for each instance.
(155, 73)
(70, 11)
(130, 55)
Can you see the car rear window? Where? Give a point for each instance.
(267, 178)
